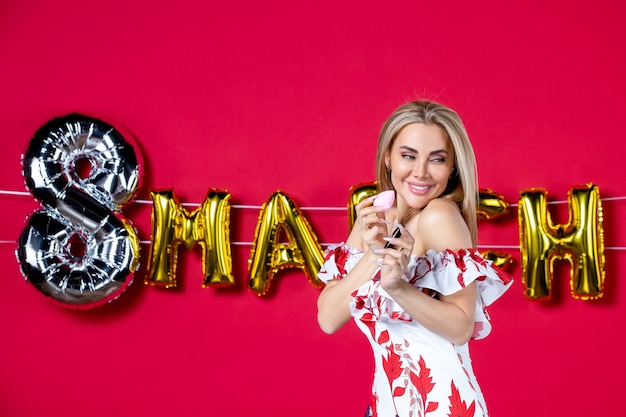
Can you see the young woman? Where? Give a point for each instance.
(420, 297)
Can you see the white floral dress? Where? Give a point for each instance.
(417, 372)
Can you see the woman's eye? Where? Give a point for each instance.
(408, 156)
(439, 160)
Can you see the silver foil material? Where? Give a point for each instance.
(78, 249)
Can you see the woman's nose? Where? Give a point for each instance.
(420, 169)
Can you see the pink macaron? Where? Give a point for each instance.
(385, 200)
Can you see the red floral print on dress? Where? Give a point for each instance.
(341, 257)
(407, 382)
(338, 260)
(458, 407)
(424, 385)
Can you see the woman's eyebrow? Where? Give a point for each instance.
(408, 148)
(437, 151)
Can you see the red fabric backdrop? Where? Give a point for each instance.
(255, 97)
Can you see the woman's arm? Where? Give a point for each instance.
(439, 226)
(333, 303)
(451, 317)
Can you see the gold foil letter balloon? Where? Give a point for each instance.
(207, 226)
(499, 259)
(580, 242)
(281, 217)
(491, 204)
(358, 193)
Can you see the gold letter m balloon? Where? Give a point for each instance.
(208, 226)
(580, 242)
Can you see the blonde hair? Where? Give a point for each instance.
(462, 187)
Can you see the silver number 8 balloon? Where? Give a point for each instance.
(78, 249)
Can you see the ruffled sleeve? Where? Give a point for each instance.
(338, 261)
(447, 272)
(442, 273)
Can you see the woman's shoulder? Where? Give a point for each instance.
(440, 226)
(439, 209)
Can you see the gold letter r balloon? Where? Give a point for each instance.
(580, 242)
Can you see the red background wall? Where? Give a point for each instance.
(255, 97)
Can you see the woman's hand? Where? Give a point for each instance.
(395, 259)
(371, 224)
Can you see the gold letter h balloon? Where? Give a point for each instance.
(580, 242)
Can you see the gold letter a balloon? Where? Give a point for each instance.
(269, 255)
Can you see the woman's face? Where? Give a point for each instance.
(421, 161)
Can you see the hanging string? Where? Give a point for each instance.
(311, 208)
(314, 208)
(235, 206)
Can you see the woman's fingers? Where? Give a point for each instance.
(371, 223)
